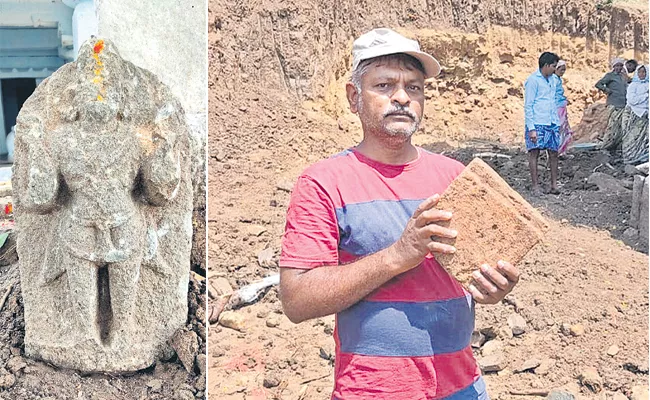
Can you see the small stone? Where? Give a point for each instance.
(255, 230)
(232, 320)
(545, 366)
(262, 313)
(273, 322)
(613, 350)
(271, 381)
(265, 258)
(577, 330)
(328, 330)
(492, 347)
(528, 365)
(7, 381)
(517, 324)
(491, 363)
(155, 385)
(639, 392)
(631, 233)
(201, 361)
(186, 345)
(285, 185)
(477, 340)
(16, 364)
(15, 351)
(590, 378)
(560, 395)
(565, 329)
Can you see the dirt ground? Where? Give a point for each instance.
(276, 107)
(580, 275)
(24, 378)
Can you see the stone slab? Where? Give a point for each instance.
(493, 222)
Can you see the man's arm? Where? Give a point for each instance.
(530, 92)
(326, 290)
(602, 84)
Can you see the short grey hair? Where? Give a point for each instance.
(364, 66)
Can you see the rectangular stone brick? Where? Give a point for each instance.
(493, 222)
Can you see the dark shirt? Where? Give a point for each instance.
(615, 85)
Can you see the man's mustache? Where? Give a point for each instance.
(399, 110)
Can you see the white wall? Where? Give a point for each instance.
(167, 37)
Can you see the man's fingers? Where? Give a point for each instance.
(426, 205)
(479, 296)
(485, 284)
(496, 278)
(436, 247)
(438, 231)
(429, 216)
(509, 271)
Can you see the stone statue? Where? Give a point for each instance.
(103, 204)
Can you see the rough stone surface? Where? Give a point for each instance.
(606, 183)
(492, 347)
(232, 320)
(590, 378)
(613, 350)
(517, 323)
(492, 363)
(493, 222)
(545, 366)
(577, 330)
(102, 177)
(185, 344)
(560, 395)
(528, 365)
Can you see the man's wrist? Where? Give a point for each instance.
(392, 258)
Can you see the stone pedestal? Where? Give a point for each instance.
(103, 205)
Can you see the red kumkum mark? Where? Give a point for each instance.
(99, 46)
(9, 208)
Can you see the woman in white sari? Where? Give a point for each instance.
(635, 136)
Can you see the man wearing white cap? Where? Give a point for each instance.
(360, 233)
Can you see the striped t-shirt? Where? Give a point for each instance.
(410, 338)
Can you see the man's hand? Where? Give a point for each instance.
(418, 240)
(533, 136)
(494, 283)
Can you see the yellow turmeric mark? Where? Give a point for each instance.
(98, 79)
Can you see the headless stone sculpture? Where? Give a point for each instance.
(103, 203)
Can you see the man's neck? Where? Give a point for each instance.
(392, 150)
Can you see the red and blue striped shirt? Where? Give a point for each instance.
(410, 338)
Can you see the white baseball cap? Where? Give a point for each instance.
(383, 41)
